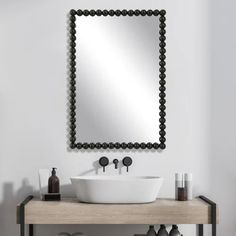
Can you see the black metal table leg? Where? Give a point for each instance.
(22, 216)
(200, 230)
(213, 213)
(31, 230)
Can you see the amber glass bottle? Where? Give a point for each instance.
(53, 183)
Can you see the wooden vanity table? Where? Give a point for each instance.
(199, 211)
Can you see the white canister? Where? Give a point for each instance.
(178, 183)
(188, 182)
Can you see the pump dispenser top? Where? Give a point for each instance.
(54, 171)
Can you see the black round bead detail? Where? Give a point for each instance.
(136, 145)
(162, 101)
(162, 57)
(92, 145)
(72, 50)
(162, 82)
(162, 139)
(72, 139)
(79, 145)
(137, 12)
(85, 145)
(73, 146)
(72, 94)
(155, 145)
(162, 69)
(149, 145)
(143, 145)
(162, 126)
(162, 146)
(86, 12)
(72, 57)
(92, 12)
(162, 12)
(162, 25)
(162, 63)
(111, 13)
(162, 32)
(72, 31)
(72, 25)
(149, 12)
(73, 12)
(99, 12)
(143, 12)
(162, 44)
(162, 38)
(130, 13)
(162, 19)
(73, 126)
(98, 145)
(162, 89)
(117, 145)
(105, 12)
(124, 12)
(162, 51)
(162, 107)
(72, 18)
(72, 63)
(162, 113)
(72, 69)
(111, 145)
(124, 145)
(79, 12)
(72, 76)
(162, 120)
(130, 145)
(155, 12)
(162, 76)
(162, 133)
(118, 12)
(105, 145)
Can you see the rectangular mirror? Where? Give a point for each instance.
(117, 73)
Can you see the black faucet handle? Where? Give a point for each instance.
(127, 161)
(103, 161)
(116, 161)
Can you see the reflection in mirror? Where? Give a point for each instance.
(117, 79)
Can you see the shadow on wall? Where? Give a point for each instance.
(8, 205)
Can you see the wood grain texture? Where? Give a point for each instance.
(162, 211)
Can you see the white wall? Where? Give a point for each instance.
(223, 112)
(33, 103)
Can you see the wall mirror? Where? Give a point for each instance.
(117, 79)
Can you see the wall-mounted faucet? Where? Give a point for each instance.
(115, 161)
(127, 161)
(103, 161)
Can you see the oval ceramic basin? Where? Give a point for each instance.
(116, 189)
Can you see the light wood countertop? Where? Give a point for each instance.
(162, 211)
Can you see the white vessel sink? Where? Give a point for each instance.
(116, 189)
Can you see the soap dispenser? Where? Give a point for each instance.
(53, 182)
(174, 231)
(162, 231)
(151, 231)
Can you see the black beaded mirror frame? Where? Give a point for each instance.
(162, 82)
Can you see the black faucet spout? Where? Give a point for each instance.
(115, 161)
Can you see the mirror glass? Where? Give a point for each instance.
(117, 79)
